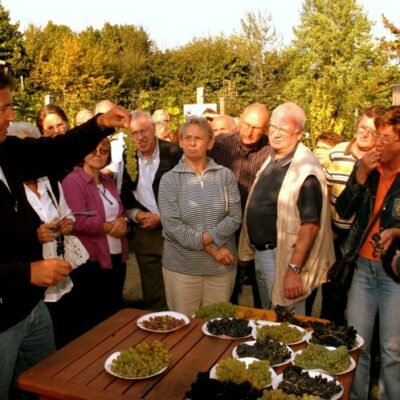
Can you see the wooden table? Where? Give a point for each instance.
(77, 370)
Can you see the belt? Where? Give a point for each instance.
(267, 246)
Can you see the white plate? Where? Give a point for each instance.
(174, 314)
(208, 333)
(270, 323)
(108, 363)
(253, 342)
(313, 374)
(359, 342)
(350, 368)
(247, 361)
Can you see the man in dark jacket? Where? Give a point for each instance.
(139, 194)
(26, 334)
(372, 196)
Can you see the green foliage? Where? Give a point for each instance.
(12, 48)
(335, 68)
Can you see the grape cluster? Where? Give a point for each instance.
(333, 335)
(233, 370)
(142, 360)
(232, 327)
(216, 310)
(316, 356)
(282, 332)
(268, 349)
(162, 323)
(278, 394)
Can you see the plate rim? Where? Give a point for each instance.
(110, 358)
(247, 361)
(162, 313)
(353, 363)
(250, 342)
(274, 323)
(208, 333)
(358, 345)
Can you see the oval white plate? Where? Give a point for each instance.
(313, 374)
(350, 368)
(108, 363)
(174, 314)
(247, 361)
(271, 323)
(359, 342)
(252, 343)
(208, 333)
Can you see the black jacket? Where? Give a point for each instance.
(23, 160)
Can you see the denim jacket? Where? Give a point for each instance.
(359, 200)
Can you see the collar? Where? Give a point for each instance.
(284, 160)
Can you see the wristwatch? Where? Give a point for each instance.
(295, 268)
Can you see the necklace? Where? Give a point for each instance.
(103, 194)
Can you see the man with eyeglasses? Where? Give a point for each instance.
(139, 194)
(340, 164)
(372, 196)
(286, 225)
(26, 331)
(243, 152)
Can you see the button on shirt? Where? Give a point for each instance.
(144, 193)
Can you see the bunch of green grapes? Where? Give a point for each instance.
(217, 310)
(278, 394)
(283, 332)
(142, 360)
(233, 370)
(316, 356)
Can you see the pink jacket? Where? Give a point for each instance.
(81, 194)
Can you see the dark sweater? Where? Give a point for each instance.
(23, 160)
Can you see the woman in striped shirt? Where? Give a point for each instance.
(200, 212)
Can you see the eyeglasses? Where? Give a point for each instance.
(103, 152)
(141, 132)
(387, 139)
(255, 129)
(277, 129)
(364, 129)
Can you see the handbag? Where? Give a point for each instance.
(341, 272)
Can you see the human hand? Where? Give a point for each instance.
(46, 232)
(49, 272)
(119, 228)
(65, 226)
(117, 117)
(395, 261)
(292, 285)
(368, 162)
(147, 220)
(223, 256)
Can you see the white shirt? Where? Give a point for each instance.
(144, 191)
(117, 164)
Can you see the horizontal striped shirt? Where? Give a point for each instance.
(341, 163)
(191, 205)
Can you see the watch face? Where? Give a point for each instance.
(295, 268)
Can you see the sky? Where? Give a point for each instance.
(172, 23)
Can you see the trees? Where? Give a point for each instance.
(335, 67)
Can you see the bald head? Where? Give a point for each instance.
(104, 106)
(253, 123)
(223, 124)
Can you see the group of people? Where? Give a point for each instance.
(205, 210)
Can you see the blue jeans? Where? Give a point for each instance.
(373, 291)
(264, 262)
(24, 345)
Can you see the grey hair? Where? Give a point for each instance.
(23, 129)
(200, 122)
(141, 114)
(295, 111)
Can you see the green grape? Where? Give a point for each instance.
(316, 356)
(142, 360)
(233, 370)
(217, 310)
(278, 394)
(282, 332)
